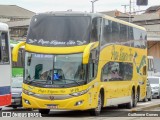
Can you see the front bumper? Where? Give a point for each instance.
(16, 101)
(65, 104)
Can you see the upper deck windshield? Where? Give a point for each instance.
(50, 30)
(54, 70)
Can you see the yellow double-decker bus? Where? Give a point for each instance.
(82, 61)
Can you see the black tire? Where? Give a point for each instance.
(136, 99)
(44, 111)
(150, 99)
(130, 104)
(158, 96)
(29, 109)
(121, 105)
(96, 111)
(145, 99)
(0, 109)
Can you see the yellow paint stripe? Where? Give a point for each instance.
(55, 50)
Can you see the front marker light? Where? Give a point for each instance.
(27, 101)
(78, 103)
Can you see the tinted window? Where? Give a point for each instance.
(96, 29)
(115, 31)
(4, 50)
(130, 33)
(107, 32)
(123, 33)
(139, 38)
(115, 71)
(48, 30)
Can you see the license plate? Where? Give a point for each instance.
(52, 106)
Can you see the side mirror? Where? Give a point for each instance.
(15, 51)
(87, 50)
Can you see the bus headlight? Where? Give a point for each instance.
(28, 92)
(80, 93)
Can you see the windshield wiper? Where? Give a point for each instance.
(37, 81)
(73, 81)
(29, 82)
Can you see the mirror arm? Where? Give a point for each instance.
(15, 51)
(87, 50)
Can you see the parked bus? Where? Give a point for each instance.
(83, 61)
(5, 67)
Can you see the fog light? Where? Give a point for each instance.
(27, 101)
(78, 103)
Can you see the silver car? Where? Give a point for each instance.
(155, 85)
(16, 92)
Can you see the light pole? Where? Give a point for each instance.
(93, 1)
(125, 7)
(130, 9)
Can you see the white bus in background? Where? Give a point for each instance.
(5, 67)
(152, 71)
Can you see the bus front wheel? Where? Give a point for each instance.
(44, 111)
(96, 111)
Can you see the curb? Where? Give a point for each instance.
(146, 107)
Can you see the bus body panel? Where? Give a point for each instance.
(116, 91)
(122, 88)
(88, 100)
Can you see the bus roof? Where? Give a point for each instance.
(3, 27)
(72, 13)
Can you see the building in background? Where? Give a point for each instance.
(117, 14)
(17, 18)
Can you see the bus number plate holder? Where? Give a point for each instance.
(52, 106)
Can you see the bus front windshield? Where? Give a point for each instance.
(50, 30)
(54, 70)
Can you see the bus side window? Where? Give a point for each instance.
(0, 49)
(117, 71)
(139, 38)
(96, 29)
(4, 49)
(106, 32)
(93, 64)
(115, 32)
(123, 33)
(130, 36)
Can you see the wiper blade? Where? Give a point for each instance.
(73, 81)
(29, 82)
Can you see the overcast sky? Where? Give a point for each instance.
(76, 5)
